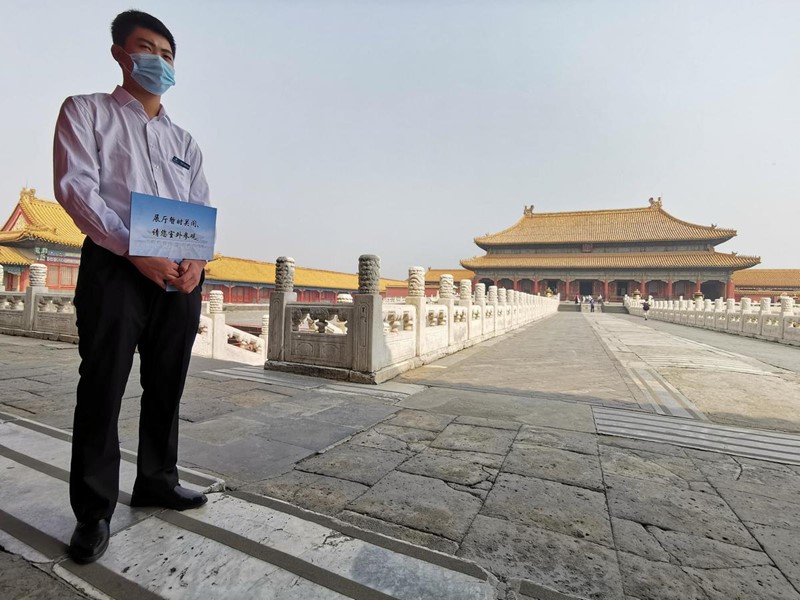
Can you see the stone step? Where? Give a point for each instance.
(236, 546)
(773, 446)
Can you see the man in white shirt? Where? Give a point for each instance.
(107, 146)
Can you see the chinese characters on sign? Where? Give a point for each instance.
(172, 229)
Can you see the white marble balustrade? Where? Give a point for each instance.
(385, 338)
(779, 323)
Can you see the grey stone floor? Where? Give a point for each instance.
(493, 455)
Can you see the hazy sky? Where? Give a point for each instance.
(405, 128)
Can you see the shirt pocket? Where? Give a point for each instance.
(181, 180)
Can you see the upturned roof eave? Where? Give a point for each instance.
(483, 244)
(741, 262)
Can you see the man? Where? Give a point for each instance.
(107, 146)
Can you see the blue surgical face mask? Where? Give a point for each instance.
(152, 72)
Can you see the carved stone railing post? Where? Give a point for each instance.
(465, 301)
(730, 305)
(265, 329)
(787, 304)
(446, 299)
(215, 301)
(38, 275)
(491, 302)
(480, 301)
(746, 304)
(416, 298)
(2, 280)
(278, 320)
(765, 305)
(219, 339)
(446, 287)
(719, 305)
(367, 329)
(480, 293)
(416, 282)
(465, 292)
(38, 281)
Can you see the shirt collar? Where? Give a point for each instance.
(123, 97)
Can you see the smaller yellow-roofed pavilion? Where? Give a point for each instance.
(41, 231)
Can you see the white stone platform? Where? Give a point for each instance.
(236, 546)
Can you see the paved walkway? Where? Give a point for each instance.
(586, 456)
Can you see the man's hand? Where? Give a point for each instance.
(189, 272)
(158, 270)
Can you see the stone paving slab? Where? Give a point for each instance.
(664, 581)
(650, 466)
(747, 582)
(635, 538)
(446, 468)
(420, 502)
(553, 464)
(566, 509)
(354, 463)
(564, 563)
(521, 409)
(310, 491)
(21, 579)
(783, 547)
(475, 439)
(673, 508)
(530, 436)
(419, 419)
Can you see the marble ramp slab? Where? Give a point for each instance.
(230, 548)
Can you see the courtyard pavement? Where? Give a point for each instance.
(584, 456)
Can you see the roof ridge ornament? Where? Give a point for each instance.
(27, 194)
(528, 210)
(655, 203)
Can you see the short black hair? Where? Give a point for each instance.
(125, 22)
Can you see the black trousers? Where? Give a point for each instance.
(118, 309)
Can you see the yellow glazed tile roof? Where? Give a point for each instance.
(41, 220)
(652, 223)
(433, 275)
(11, 256)
(779, 278)
(608, 260)
(227, 268)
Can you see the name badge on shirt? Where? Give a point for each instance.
(180, 163)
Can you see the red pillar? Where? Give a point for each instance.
(566, 289)
(669, 289)
(516, 284)
(730, 293)
(698, 285)
(535, 284)
(605, 289)
(643, 289)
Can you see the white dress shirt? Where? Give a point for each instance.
(107, 147)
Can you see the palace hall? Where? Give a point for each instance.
(609, 252)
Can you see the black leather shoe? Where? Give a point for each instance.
(178, 498)
(89, 541)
